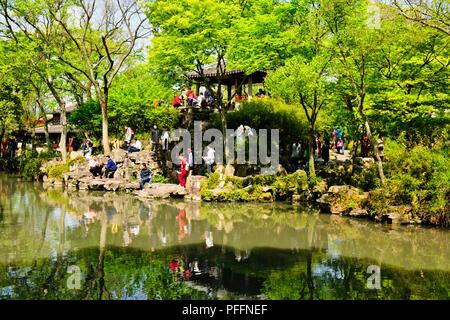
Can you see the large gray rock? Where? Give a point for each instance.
(359, 213)
(229, 170)
(76, 154)
(161, 190)
(193, 185)
(338, 189)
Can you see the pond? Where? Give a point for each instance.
(58, 244)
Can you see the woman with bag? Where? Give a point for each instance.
(184, 168)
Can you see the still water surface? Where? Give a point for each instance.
(57, 244)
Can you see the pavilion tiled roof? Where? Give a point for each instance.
(210, 70)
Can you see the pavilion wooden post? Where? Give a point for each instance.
(250, 88)
(197, 89)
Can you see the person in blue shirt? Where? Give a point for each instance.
(110, 168)
(146, 176)
(340, 134)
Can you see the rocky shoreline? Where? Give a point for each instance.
(224, 186)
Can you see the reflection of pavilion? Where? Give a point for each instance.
(242, 83)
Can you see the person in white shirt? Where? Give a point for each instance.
(209, 159)
(129, 134)
(95, 167)
(200, 99)
(135, 146)
(165, 138)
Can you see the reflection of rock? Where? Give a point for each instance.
(358, 212)
(160, 190)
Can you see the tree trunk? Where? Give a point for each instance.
(311, 169)
(353, 154)
(105, 141)
(33, 138)
(62, 142)
(374, 146)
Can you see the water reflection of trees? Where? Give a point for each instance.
(123, 246)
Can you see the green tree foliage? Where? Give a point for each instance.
(10, 107)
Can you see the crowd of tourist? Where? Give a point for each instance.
(9, 147)
(189, 98)
(324, 143)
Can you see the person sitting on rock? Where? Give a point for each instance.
(95, 167)
(135, 146)
(86, 148)
(116, 144)
(146, 176)
(110, 168)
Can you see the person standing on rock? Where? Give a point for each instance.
(295, 154)
(146, 176)
(129, 134)
(340, 145)
(209, 159)
(183, 172)
(190, 160)
(110, 168)
(155, 138)
(165, 138)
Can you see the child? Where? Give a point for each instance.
(339, 145)
(116, 144)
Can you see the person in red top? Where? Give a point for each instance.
(183, 172)
(190, 96)
(177, 102)
(4, 147)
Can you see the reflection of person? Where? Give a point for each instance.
(182, 225)
(209, 239)
(126, 238)
(145, 212)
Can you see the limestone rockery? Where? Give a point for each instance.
(126, 178)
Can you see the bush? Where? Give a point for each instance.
(213, 181)
(270, 114)
(158, 178)
(58, 170)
